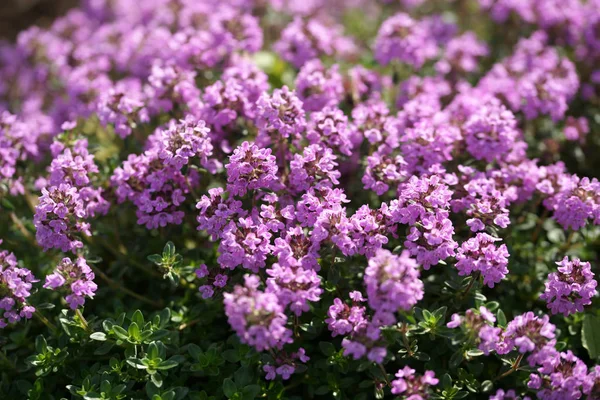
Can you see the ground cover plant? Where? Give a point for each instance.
(293, 200)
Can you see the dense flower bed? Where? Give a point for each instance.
(321, 199)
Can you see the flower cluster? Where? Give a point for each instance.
(77, 276)
(362, 335)
(69, 199)
(528, 333)
(392, 282)
(413, 386)
(327, 178)
(155, 181)
(571, 288)
(256, 316)
(15, 287)
(481, 255)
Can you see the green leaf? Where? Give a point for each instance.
(195, 351)
(501, 318)
(590, 335)
(157, 379)
(440, 313)
(474, 353)
(229, 388)
(321, 390)
(40, 344)
(250, 392)
(427, 315)
(105, 386)
(165, 317)
(153, 351)
(99, 336)
(134, 331)
(120, 332)
(138, 318)
(446, 381)
(7, 204)
(327, 348)
(456, 358)
(155, 258)
(231, 355)
(44, 306)
(137, 363)
(104, 349)
(169, 249)
(557, 236)
(167, 364)
(242, 376)
(487, 386)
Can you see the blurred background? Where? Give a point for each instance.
(16, 15)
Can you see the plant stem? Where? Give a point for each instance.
(115, 285)
(567, 244)
(538, 226)
(512, 369)
(190, 188)
(385, 375)
(122, 256)
(46, 322)
(22, 228)
(405, 339)
(188, 324)
(468, 289)
(84, 323)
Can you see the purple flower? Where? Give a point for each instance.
(206, 291)
(413, 386)
(371, 228)
(279, 116)
(507, 395)
(59, 218)
(571, 288)
(216, 212)
(220, 280)
(319, 87)
(481, 255)
(392, 282)
(329, 127)
(183, 140)
(123, 106)
(403, 39)
(202, 271)
(423, 204)
(563, 376)
(294, 249)
(315, 164)
(256, 316)
(271, 372)
(491, 132)
(365, 84)
(78, 277)
(250, 168)
(576, 129)
(304, 40)
(461, 54)
(246, 243)
(529, 334)
(15, 286)
(343, 319)
(294, 286)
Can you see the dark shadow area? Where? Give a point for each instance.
(16, 15)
